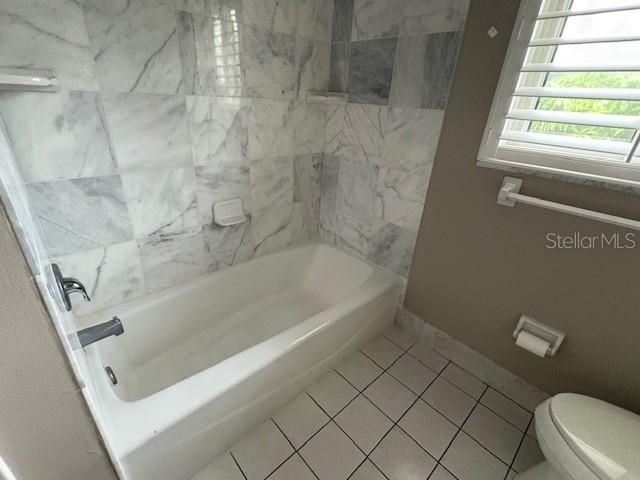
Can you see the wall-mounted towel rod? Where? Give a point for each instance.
(509, 195)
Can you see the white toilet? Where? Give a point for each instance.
(586, 439)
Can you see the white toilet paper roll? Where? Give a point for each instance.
(535, 345)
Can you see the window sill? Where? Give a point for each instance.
(591, 180)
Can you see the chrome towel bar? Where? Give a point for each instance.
(509, 195)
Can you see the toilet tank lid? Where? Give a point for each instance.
(606, 437)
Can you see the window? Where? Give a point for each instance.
(568, 100)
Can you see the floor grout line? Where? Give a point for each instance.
(405, 351)
(238, 464)
(518, 450)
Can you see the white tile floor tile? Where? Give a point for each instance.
(390, 396)
(401, 338)
(528, 455)
(331, 454)
(441, 473)
(359, 370)
(400, 458)
(367, 471)
(364, 423)
(531, 431)
(382, 351)
(293, 469)
(300, 419)
(507, 409)
(332, 392)
(222, 467)
(464, 381)
(510, 476)
(412, 373)
(431, 359)
(468, 460)
(449, 400)
(261, 451)
(474, 440)
(431, 430)
(494, 433)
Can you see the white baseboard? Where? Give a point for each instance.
(501, 379)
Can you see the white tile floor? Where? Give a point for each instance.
(395, 411)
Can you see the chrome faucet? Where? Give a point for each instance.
(68, 285)
(90, 335)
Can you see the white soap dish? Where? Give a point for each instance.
(229, 212)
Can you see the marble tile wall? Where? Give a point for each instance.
(396, 59)
(167, 106)
(396, 52)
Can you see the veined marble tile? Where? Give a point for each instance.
(441, 55)
(398, 189)
(433, 16)
(269, 63)
(271, 181)
(407, 87)
(328, 195)
(392, 18)
(339, 70)
(375, 19)
(313, 19)
(211, 55)
(58, 135)
(225, 10)
(306, 189)
(135, 45)
(221, 181)
(229, 130)
(161, 201)
(355, 132)
(173, 258)
(391, 247)
(357, 200)
(274, 15)
(270, 228)
(48, 34)
(219, 129)
(229, 245)
(271, 129)
(148, 131)
(304, 222)
(342, 20)
(313, 61)
(281, 226)
(411, 136)
(81, 214)
(308, 128)
(371, 70)
(410, 142)
(111, 275)
(424, 69)
(199, 121)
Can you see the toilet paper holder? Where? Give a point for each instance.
(539, 329)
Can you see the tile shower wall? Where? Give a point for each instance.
(167, 106)
(395, 58)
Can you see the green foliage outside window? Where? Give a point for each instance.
(612, 107)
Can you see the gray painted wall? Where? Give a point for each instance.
(479, 266)
(47, 432)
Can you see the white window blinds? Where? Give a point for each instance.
(568, 101)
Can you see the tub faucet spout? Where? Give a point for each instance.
(90, 335)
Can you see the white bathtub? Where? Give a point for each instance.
(200, 364)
